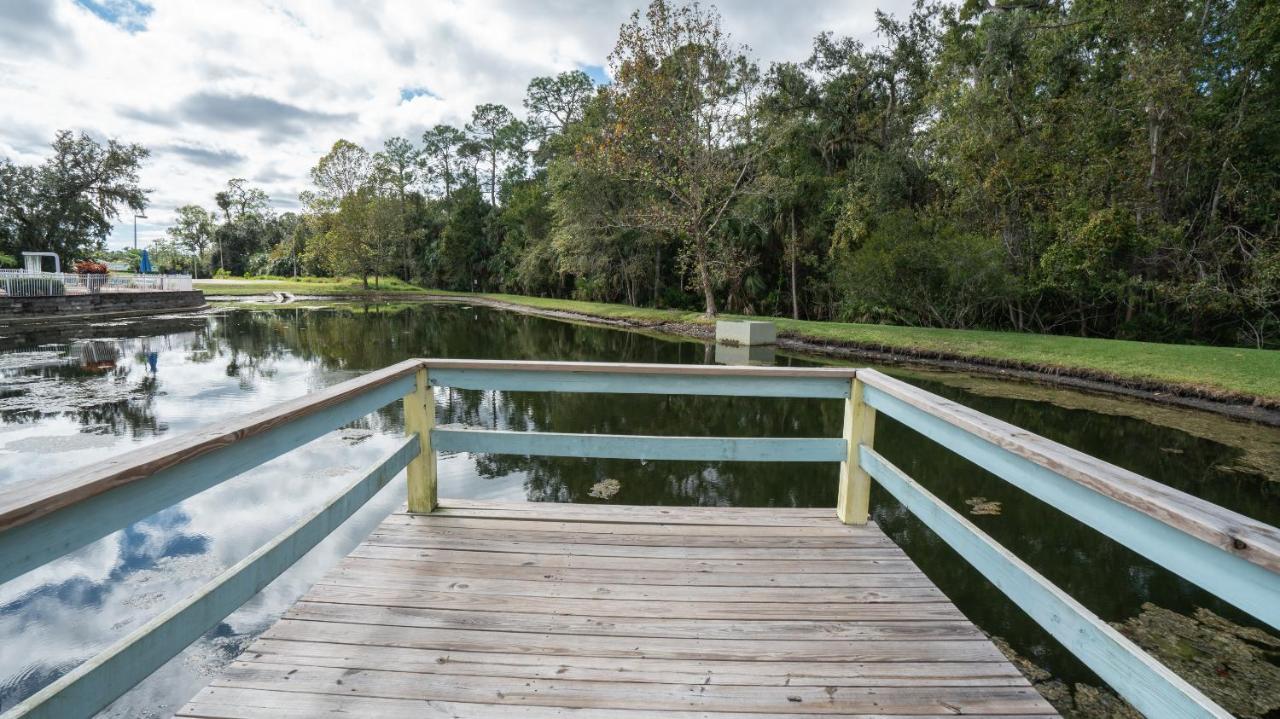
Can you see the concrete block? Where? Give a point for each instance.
(745, 332)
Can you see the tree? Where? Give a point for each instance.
(684, 98)
(556, 102)
(192, 231)
(496, 134)
(396, 169)
(68, 204)
(440, 149)
(342, 172)
(248, 225)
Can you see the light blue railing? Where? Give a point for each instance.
(1230, 555)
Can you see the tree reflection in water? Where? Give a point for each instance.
(56, 414)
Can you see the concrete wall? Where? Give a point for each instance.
(90, 306)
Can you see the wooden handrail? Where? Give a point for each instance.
(1232, 532)
(25, 502)
(693, 370)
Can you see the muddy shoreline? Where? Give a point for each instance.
(1240, 407)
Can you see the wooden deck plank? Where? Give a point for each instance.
(575, 610)
(625, 695)
(236, 703)
(525, 546)
(319, 611)
(671, 577)
(650, 564)
(675, 608)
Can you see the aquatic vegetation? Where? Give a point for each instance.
(605, 489)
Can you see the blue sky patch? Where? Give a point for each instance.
(408, 93)
(129, 15)
(596, 73)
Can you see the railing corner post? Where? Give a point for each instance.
(419, 419)
(854, 502)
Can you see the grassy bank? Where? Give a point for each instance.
(327, 286)
(1222, 372)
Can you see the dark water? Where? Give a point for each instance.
(71, 398)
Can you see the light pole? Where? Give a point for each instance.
(136, 215)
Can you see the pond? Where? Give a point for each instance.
(71, 398)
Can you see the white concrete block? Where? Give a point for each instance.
(745, 332)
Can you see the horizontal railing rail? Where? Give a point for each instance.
(1228, 554)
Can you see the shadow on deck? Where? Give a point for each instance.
(544, 610)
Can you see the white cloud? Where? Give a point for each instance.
(261, 88)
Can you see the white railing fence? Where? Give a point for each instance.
(20, 283)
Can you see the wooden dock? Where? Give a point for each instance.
(543, 610)
(550, 610)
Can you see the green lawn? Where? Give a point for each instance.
(1220, 370)
(345, 286)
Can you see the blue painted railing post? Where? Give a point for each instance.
(419, 419)
(854, 502)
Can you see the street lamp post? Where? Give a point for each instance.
(136, 215)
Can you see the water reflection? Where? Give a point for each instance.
(73, 397)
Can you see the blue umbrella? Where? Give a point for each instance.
(144, 265)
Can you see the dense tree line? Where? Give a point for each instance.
(1095, 168)
(1099, 167)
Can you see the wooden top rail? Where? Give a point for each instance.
(692, 370)
(27, 501)
(1235, 533)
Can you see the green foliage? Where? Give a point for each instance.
(1099, 168)
(69, 203)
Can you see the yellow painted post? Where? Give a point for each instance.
(419, 418)
(855, 484)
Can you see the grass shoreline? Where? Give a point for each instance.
(1232, 375)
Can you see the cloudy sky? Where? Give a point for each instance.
(261, 88)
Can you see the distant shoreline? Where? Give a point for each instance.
(822, 339)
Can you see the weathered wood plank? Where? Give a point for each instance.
(661, 671)
(635, 514)
(658, 608)
(644, 368)
(26, 501)
(921, 650)
(753, 385)
(599, 512)
(582, 526)
(657, 539)
(603, 625)
(623, 695)
(1146, 683)
(840, 550)
(99, 681)
(88, 504)
(503, 611)
(1233, 533)
(674, 563)
(364, 576)
(628, 446)
(219, 702)
(628, 575)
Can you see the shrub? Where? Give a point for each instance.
(89, 267)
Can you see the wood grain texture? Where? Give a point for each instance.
(691, 370)
(539, 610)
(1230, 531)
(420, 419)
(28, 501)
(1144, 682)
(630, 446)
(853, 502)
